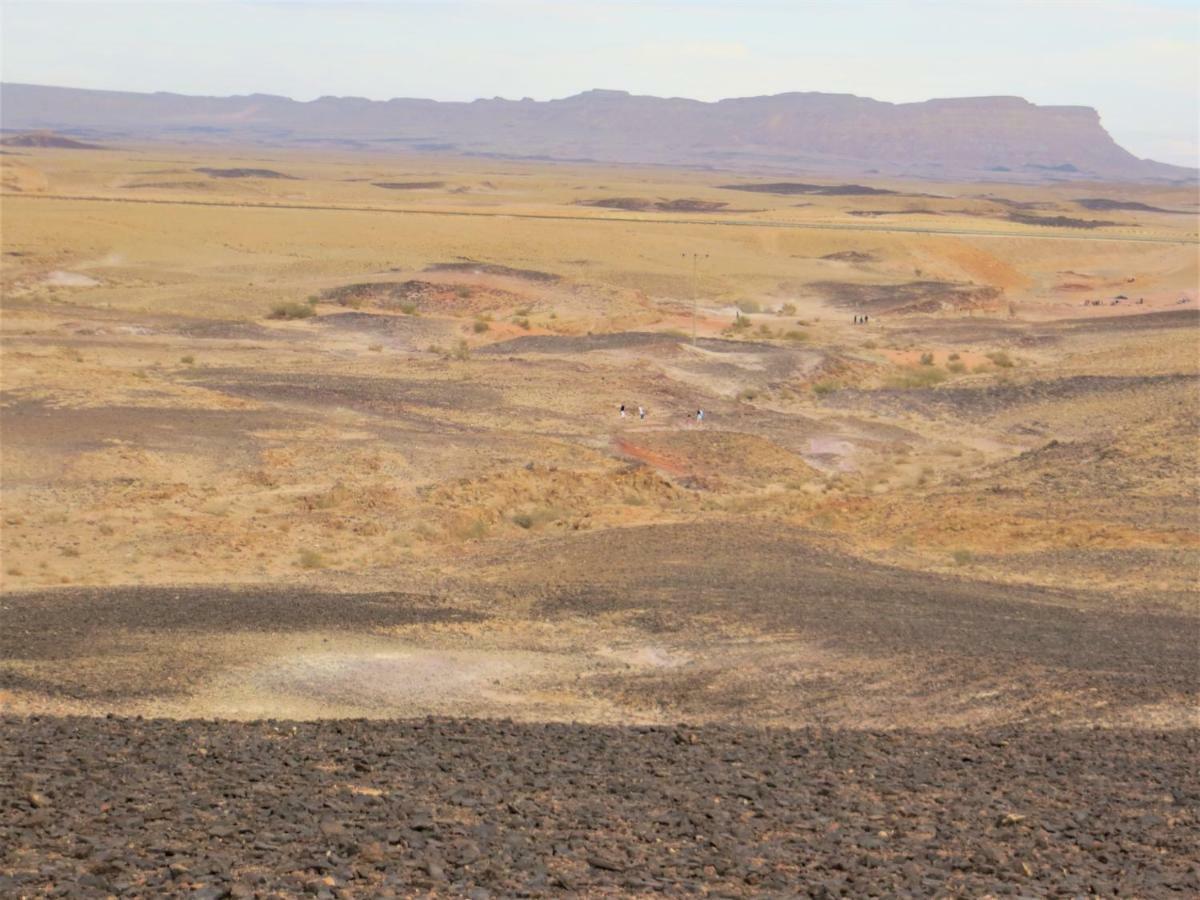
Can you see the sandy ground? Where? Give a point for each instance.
(895, 524)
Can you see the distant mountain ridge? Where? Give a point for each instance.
(981, 137)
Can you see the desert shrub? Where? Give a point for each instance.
(376, 348)
(764, 331)
(916, 377)
(409, 309)
(748, 394)
(536, 516)
(749, 306)
(70, 551)
(797, 336)
(962, 557)
(740, 324)
(187, 360)
(957, 367)
(1001, 359)
(927, 359)
(521, 322)
(480, 326)
(311, 559)
(523, 312)
(104, 528)
(462, 351)
(787, 309)
(825, 387)
(954, 357)
(870, 345)
(462, 292)
(291, 311)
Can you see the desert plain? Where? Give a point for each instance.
(309, 435)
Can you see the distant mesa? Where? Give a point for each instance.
(48, 139)
(788, 188)
(409, 185)
(244, 173)
(832, 136)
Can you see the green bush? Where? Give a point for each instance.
(825, 387)
(1001, 359)
(796, 336)
(291, 311)
(957, 367)
(787, 309)
(927, 359)
(480, 326)
(963, 557)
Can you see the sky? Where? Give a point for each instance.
(1136, 61)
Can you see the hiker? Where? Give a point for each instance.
(641, 411)
(700, 416)
(622, 410)
(866, 319)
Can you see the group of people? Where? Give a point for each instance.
(641, 413)
(861, 320)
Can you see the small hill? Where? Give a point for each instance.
(47, 139)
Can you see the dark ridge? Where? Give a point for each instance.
(244, 173)
(850, 256)
(47, 624)
(637, 204)
(907, 297)
(1058, 221)
(480, 268)
(409, 185)
(788, 188)
(874, 213)
(1103, 204)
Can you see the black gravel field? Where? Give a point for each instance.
(470, 808)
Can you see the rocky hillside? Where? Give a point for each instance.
(982, 137)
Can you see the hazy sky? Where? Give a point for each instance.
(1136, 61)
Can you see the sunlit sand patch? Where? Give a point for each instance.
(59, 278)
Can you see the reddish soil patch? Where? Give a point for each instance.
(660, 461)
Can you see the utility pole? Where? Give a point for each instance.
(696, 257)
